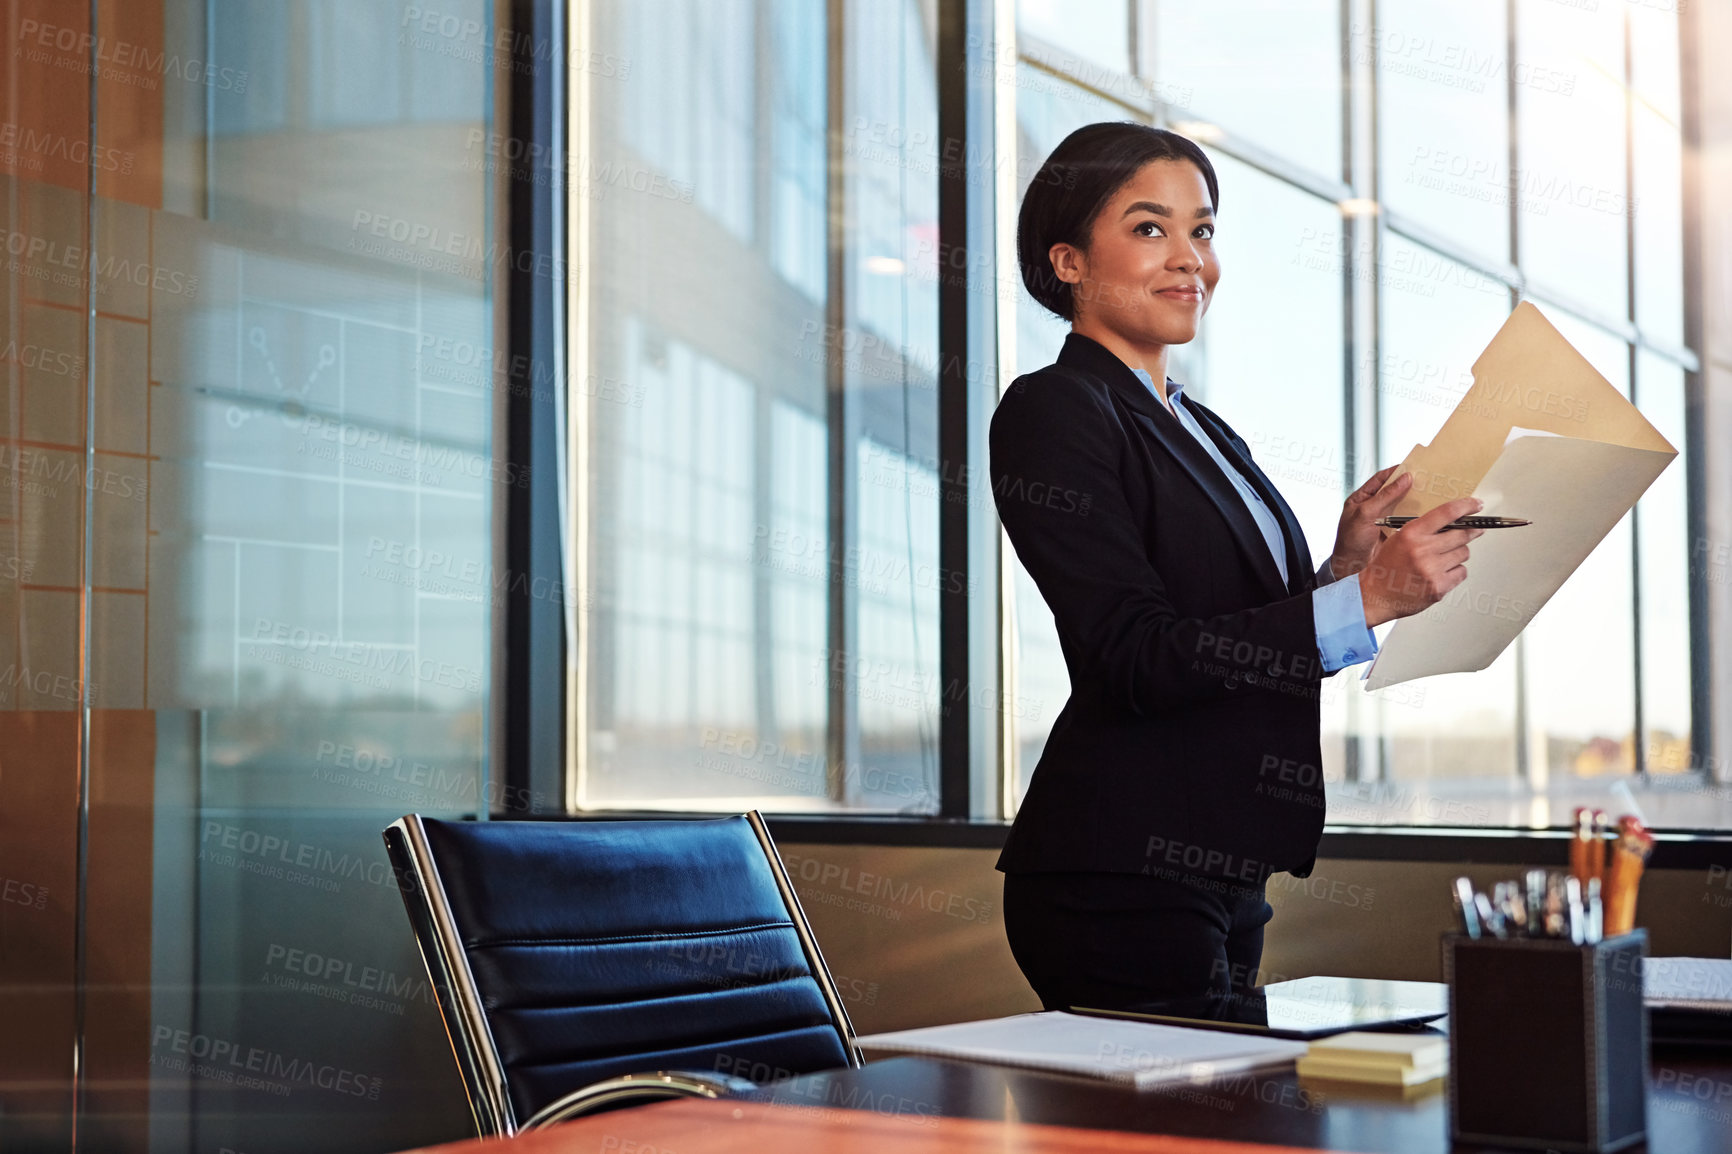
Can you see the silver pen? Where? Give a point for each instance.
(1536, 902)
(1507, 897)
(1489, 919)
(1465, 908)
(1575, 911)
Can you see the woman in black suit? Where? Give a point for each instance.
(1186, 766)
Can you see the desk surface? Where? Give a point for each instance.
(754, 1127)
(1689, 1104)
(923, 1106)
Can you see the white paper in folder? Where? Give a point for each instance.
(1543, 436)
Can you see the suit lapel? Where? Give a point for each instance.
(1153, 417)
(1196, 461)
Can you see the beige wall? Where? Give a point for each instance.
(915, 937)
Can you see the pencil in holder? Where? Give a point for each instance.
(1548, 1041)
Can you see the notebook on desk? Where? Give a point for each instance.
(1139, 1053)
(1305, 1008)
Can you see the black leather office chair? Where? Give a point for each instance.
(593, 963)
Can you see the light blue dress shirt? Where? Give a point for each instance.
(1337, 610)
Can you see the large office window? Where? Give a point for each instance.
(760, 566)
(761, 569)
(1363, 273)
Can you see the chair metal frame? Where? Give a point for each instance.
(459, 999)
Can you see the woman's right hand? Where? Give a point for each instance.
(1416, 566)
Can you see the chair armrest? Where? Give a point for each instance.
(632, 1089)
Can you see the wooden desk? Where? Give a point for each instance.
(1689, 1104)
(752, 1127)
(921, 1106)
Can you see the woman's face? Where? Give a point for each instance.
(1150, 269)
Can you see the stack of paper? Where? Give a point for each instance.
(1689, 1000)
(1688, 984)
(1141, 1053)
(1386, 1059)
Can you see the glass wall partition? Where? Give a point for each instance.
(247, 540)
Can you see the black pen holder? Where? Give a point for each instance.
(1548, 1042)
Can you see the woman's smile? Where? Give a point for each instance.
(1187, 293)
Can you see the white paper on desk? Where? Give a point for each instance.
(1543, 436)
(1142, 1053)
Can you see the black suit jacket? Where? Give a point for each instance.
(1190, 743)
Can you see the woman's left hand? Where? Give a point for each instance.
(1358, 533)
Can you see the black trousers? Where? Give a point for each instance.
(1116, 940)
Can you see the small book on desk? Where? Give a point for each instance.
(1139, 1053)
(1381, 1059)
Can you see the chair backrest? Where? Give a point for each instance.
(568, 952)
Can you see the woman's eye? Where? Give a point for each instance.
(1206, 231)
(1149, 228)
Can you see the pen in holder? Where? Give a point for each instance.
(1548, 1041)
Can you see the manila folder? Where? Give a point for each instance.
(1540, 435)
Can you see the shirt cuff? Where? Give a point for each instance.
(1343, 638)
